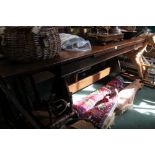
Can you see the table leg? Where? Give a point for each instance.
(62, 91)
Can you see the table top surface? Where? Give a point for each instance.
(9, 69)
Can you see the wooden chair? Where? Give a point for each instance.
(137, 57)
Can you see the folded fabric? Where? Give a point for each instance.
(99, 105)
(116, 84)
(89, 101)
(101, 113)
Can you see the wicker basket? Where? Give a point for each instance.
(23, 45)
(0, 45)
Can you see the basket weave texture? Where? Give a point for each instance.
(23, 45)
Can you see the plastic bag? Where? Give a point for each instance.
(71, 42)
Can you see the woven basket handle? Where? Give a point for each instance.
(45, 37)
(3, 43)
(2, 30)
(36, 29)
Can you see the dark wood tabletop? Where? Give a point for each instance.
(9, 69)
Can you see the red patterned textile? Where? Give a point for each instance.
(101, 112)
(100, 104)
(89, 101)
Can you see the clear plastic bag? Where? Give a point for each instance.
(75, 43)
